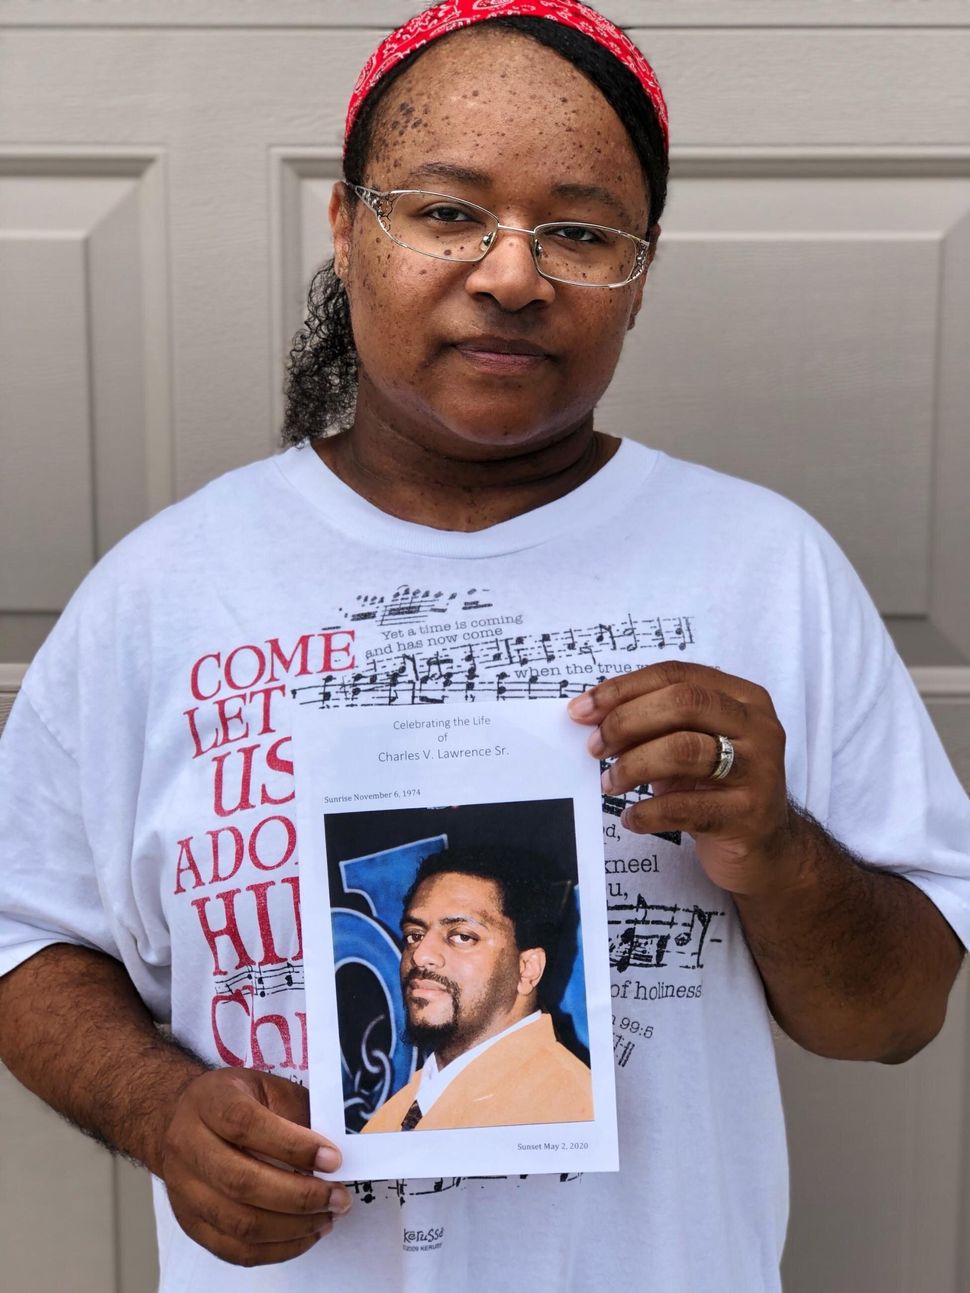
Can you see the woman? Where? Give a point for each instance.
(470, 533)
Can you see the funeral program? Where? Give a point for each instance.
(454, 930)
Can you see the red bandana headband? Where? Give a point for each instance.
(437, 21)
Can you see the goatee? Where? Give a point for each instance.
(431, 1037)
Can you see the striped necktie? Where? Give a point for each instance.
(411, 1118)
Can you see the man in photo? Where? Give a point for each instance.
(480, 926)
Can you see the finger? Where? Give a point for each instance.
(233, 1113)
(241, 1253)
(289, 1099)
(237, 1175)
(681, 707)
(697, 812)
(250, 1224)
(593, 705)
(676, 756)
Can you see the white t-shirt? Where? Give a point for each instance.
(147, 809)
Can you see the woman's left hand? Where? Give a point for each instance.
(661, 726)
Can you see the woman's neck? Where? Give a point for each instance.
(407, 479)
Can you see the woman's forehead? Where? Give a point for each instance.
(501, 106)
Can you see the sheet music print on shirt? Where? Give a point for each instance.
(439, 647)
(423, 646)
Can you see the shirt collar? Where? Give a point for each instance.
(435, 1080)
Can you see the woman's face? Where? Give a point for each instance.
(495, 119)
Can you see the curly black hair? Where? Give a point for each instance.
(321, 375)
(534, 893)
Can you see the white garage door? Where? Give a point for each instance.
(164, 172)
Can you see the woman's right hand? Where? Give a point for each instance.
(238, 1159)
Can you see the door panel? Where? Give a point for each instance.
(165, 168)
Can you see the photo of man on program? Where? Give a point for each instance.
(479, 927)
(480, 1017)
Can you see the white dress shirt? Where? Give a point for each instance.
(434, 1080)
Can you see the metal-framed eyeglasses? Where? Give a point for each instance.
(449, 228)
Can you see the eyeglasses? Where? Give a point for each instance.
(447, 228)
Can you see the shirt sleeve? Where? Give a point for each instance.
(49, 890)
(897, 802)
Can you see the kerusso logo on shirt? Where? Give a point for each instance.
(423, 1241)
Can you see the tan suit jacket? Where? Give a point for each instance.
(525, 1077)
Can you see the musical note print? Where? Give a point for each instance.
(418, 684)
(369, 1191)
(262, 982)
(482, 664)
(654, 935)
(407, 605)
(623, 1048)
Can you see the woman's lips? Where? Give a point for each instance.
(498, 356)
